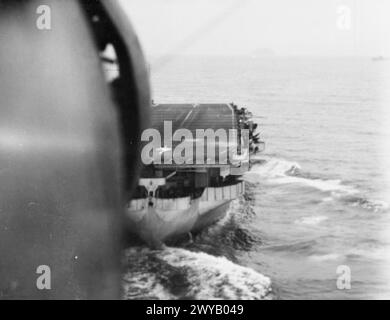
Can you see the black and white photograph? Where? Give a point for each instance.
(208, 150)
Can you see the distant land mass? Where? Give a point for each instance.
(263, 52)
(380, 58)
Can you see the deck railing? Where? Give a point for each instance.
(223, 193)
(210, 194)
(162, 204)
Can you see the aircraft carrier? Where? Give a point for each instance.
(177, 196)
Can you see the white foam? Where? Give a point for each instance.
(281, 171)
(335, 186)
(205, 276)
(311, 220)
(145, 285)
(274, 168)
(218, 278)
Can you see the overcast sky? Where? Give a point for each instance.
(237, 27)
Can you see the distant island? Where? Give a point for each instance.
(379, 58)
(263, 52)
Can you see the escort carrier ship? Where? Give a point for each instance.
(192, 170)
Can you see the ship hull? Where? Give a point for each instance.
(214, 212)
(156, 226)
(156, 221)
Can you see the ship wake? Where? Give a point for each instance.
(284, 172)
(176, 273)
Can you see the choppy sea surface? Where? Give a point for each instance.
(316, 199)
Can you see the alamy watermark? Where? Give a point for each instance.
(344, 277)
(206, 146)
(44, 280)
(43, 21)
(344, 17)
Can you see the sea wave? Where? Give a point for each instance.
(311, 220)
(281, 171)
(175, 273)
(228, 234)
(368, 204)
(371, 253)
(296, 247)
(273, 167)
(325, 257)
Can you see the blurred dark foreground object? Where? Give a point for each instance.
(68, 147)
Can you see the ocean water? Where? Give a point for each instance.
(316, 199)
